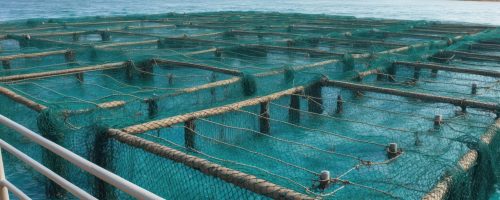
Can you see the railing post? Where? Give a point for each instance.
(4, 193)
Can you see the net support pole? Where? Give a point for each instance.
(6, 64)
(391, 73)
(69, 56)
(474, 89)
(264, 116)
(434, 73)
(213, 91)
(48, 126)
(129, 70)
(79, 76)
(146, 68)
(105, 35)
(314, 101)
(218, 52)
(380, 76)
(416, 73)
(294, 110)
(189, 134)
(170, 79)
(102, 156)
(76, 37)
(152, 107)
(340, 105)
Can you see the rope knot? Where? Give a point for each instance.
(365, 162)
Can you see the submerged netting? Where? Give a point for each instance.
(249, 105)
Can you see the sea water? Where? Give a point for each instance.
(443, 10)
(437, 10)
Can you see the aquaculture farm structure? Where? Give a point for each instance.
(252, 105)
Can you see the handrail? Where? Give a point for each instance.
(82, 163)
(18, 193)
(68, 186)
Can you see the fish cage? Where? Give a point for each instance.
(254, 105)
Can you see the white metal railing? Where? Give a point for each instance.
(99, 172)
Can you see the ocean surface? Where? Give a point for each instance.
(442, 10)
(437, 10)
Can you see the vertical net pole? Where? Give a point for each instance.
(6, 64)
(152, 107)
(213, 78)
(294, 110)
(314, 101)
(340, 104)
(103, 156)
(50, 129)
(264, 117)
(189, 134)
(416, 73)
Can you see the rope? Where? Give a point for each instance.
(317, 130)
(253, 152)
(282, 140)
(440, 82)
(343, 119)
(227, 161)
(237, 178)
(413, 115)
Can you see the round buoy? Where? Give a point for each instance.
(438, 120)
(324, 180)
(393, 150)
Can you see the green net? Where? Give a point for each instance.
(278, 120)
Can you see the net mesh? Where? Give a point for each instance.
(129, 93)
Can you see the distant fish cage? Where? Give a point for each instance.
(253, 105)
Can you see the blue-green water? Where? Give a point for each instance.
(441, 10)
